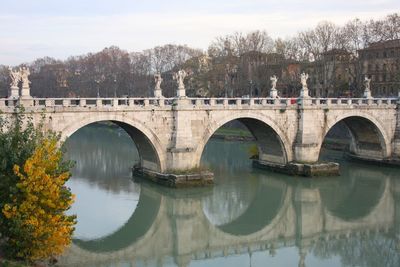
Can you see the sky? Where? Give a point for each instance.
(62, 28)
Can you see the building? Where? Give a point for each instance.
(381, 62)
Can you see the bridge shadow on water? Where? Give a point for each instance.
(247, 211)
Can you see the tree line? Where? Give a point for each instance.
(234, 65)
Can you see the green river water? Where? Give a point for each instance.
(248, 218)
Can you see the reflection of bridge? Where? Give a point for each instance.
(166, 226)
(171, 133)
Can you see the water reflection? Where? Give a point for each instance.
(105, 195)
(254, 218)
(103, 155)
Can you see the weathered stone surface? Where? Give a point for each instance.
(171, 133)
(202, 178)
(321, 169)
(301, 169)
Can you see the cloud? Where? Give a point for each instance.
(27, 37)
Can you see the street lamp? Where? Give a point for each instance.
(251, 88)
(115, 87)
(98, 90)
(98, 81)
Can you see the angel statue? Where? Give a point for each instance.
(15, 77)
(304, 77)
(273, 79)
(158, 80)
(179, 77)
(24, 77)
(367, 83)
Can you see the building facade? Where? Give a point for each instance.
(381, 62)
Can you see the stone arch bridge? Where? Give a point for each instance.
(171, 133)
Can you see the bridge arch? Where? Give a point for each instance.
(273, 143)
(150, 149)
(368, 136)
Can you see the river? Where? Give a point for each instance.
(248, 218)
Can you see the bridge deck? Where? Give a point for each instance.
(197, 103)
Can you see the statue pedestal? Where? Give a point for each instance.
(25, 92)
(157, 93)
(26, 100)
(367, 94)
(13, 92)
(181, 92)
(273, 93)
(304, 93)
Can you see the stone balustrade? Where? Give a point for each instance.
(197, 102)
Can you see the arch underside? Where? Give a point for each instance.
(147, 153)
(269, 144)
(366, 140)
(147, 144)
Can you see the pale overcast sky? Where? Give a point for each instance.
(31, 29)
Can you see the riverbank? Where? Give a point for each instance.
(233, 134)
(237, 134)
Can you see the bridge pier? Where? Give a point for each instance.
(306, 148)
(396, 139)
(182, 169)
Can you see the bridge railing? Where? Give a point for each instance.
(101, 102)
(353, 101)
(221, 102)
(196, 102)
(5, 102)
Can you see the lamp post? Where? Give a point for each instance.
(98, 90)
(98, 81)
(115, 87)
(251, 88)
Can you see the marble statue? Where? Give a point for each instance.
(304, 77)
(157, 88)
(180, 77)
(24, 77)
(367, 90)
(158, 80)
(15, 77)
(367, 83)
(273, 79)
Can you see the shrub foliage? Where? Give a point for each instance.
(34, 197)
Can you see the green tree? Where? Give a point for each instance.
(33, 195)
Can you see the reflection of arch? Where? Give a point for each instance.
(380, 214)
(271, 139)
(368, 134)
(136, 227)
(259, 214)
(262, 215)
(148, 145)
(355, 202)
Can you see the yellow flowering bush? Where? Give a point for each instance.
(38, 226)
